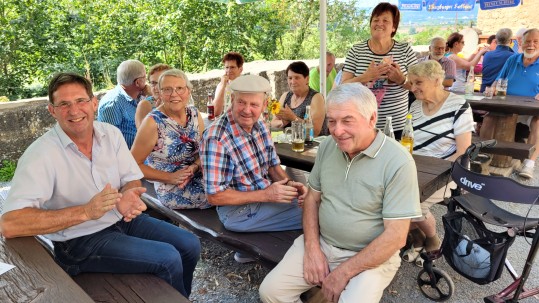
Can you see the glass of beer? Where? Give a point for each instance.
(297, 135)
(501, 88)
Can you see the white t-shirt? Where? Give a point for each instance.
(434, 135)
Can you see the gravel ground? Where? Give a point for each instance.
(218, 278)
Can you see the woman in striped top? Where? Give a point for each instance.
(443, 126)
(381, 63)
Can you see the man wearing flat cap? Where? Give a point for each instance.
(242, 172)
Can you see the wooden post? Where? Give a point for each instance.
(500, 127)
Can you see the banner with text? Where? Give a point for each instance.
(451, 5)
(410, 5)
(493, 4)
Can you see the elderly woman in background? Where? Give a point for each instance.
(147, 105)
(294, 102)
(443, 126)
(167, 144)
(381, 63)
(455, 44)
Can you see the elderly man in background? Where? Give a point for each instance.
(331, 73)
(243, 175)
(233, 63)
(522, 73)
(119, 105)
(436, 53)
(79, 186)
(493, 61)
(362, 195)
(518, 35)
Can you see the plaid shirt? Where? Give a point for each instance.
(233, 158)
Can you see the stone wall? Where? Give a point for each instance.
(490, 21)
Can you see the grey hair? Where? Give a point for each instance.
(520, 32)
(436, 39)
(356, 93)
(128, 71)
(503, 36)
(531, 30)
(429, 69)
(175, 73)
(328, 53)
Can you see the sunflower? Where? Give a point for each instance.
(274, 106)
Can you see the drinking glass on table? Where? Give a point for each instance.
(297, 130)
(501, 88)
(489, 92)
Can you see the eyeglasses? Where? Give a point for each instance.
(167, 91)
(65, 105)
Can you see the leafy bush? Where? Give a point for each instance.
(7, 170)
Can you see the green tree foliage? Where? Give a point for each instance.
(91, 37)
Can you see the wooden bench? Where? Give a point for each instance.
(122, 288)
(268, 248)
(517, 150)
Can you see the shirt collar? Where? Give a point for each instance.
(124, 94)
(504, 47)
(66, 141)
(372, 150)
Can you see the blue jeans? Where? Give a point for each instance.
(264, 216)
(144, 245)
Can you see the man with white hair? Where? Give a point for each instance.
(522, 73)
(119, 105)
(436, 53)
(493, 61)
(242, 172)
(519, 34)
(362, 195)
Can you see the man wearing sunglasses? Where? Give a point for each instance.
(119, 105)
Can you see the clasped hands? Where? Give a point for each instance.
(128, 203)
(182, 176)
(286, 191)
(392, 72)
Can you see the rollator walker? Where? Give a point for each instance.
(471, 246)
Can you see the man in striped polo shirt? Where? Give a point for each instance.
(119, 105)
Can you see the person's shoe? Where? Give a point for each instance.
(526, 171)
(243, 258)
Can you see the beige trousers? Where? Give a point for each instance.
(285, 282)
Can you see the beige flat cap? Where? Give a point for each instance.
(251, 84)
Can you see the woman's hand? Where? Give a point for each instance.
(286, 114)
(395, 74)
(376, 71)
(181, 177)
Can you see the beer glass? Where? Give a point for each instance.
(297, 135)
(501, 88)
(488, 92)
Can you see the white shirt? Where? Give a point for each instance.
(53, 174)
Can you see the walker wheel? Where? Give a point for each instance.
(437, 286)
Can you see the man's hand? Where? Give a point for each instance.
(130, 204)
(315, 266)
(333, 285)
(102, 202)
(302, 191)
(280, 192)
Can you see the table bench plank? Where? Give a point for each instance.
(36, 277)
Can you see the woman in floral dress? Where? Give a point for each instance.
(167, 143)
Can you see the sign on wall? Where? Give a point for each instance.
(493, 4)
(450, 5)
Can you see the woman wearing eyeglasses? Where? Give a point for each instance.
(167, 143)
(147, 105)
(455, 44)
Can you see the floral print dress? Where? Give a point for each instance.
(176, 148)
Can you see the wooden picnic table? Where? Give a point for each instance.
(503, 114)
(36, 277)
(432, 173)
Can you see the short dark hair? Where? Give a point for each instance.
(298, 67)
(491, 38)
(383, 7)
(233, 56)
(453, 38)
(68, 78)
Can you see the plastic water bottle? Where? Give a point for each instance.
(309, 129)
(469, 88)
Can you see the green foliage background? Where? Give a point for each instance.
(41, 37)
